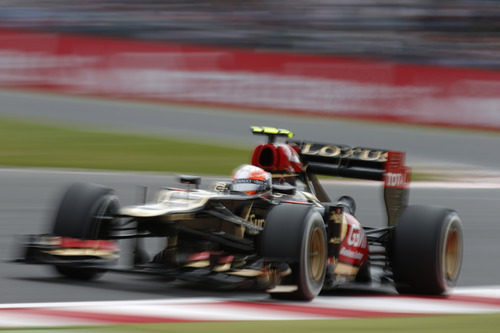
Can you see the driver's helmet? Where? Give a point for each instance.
(251, 180)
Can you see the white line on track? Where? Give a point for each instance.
(461, 301)
(111, 303)
(483, 291)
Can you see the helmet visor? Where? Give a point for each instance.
(249, 186)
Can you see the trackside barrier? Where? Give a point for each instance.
(307, 84)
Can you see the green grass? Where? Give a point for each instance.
(432, 324)
(32, 144)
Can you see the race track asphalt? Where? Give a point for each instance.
(28, 199)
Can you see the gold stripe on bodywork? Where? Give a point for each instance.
(344, 269)
(165, 205)
(246, 272)
(82, 252)
(222, 268)
(198, 264)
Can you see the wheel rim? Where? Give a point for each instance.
(317, 254)
(452, 255)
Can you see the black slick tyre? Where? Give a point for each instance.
(427, 250)
(295, 234)
(85, 212)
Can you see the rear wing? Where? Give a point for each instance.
(361, 163)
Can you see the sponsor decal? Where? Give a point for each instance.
(356, 236)
(351, 254)
(396, 175)
(354, 248)
(365, 154)
(395, 179)
(256, 221)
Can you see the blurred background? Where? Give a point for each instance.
(448, 32)
(408, 61)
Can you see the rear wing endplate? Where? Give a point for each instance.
(361, 163)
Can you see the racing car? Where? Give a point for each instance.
(272, 227)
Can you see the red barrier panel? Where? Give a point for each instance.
(308, 84)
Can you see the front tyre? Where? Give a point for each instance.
(86, 211)
(296, 234)
(311, 269)
(427, 250)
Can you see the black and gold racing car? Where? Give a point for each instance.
(291, 240)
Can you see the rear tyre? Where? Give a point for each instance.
(296, 234)
(427, 250)
(85, 212)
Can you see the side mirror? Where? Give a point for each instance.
(285, 189)
(190, 180)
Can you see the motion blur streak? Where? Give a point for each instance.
(328, 86)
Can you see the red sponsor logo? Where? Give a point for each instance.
(354, 248)
(395, 179)
(397, 175)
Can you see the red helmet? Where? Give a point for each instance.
(251, 180)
